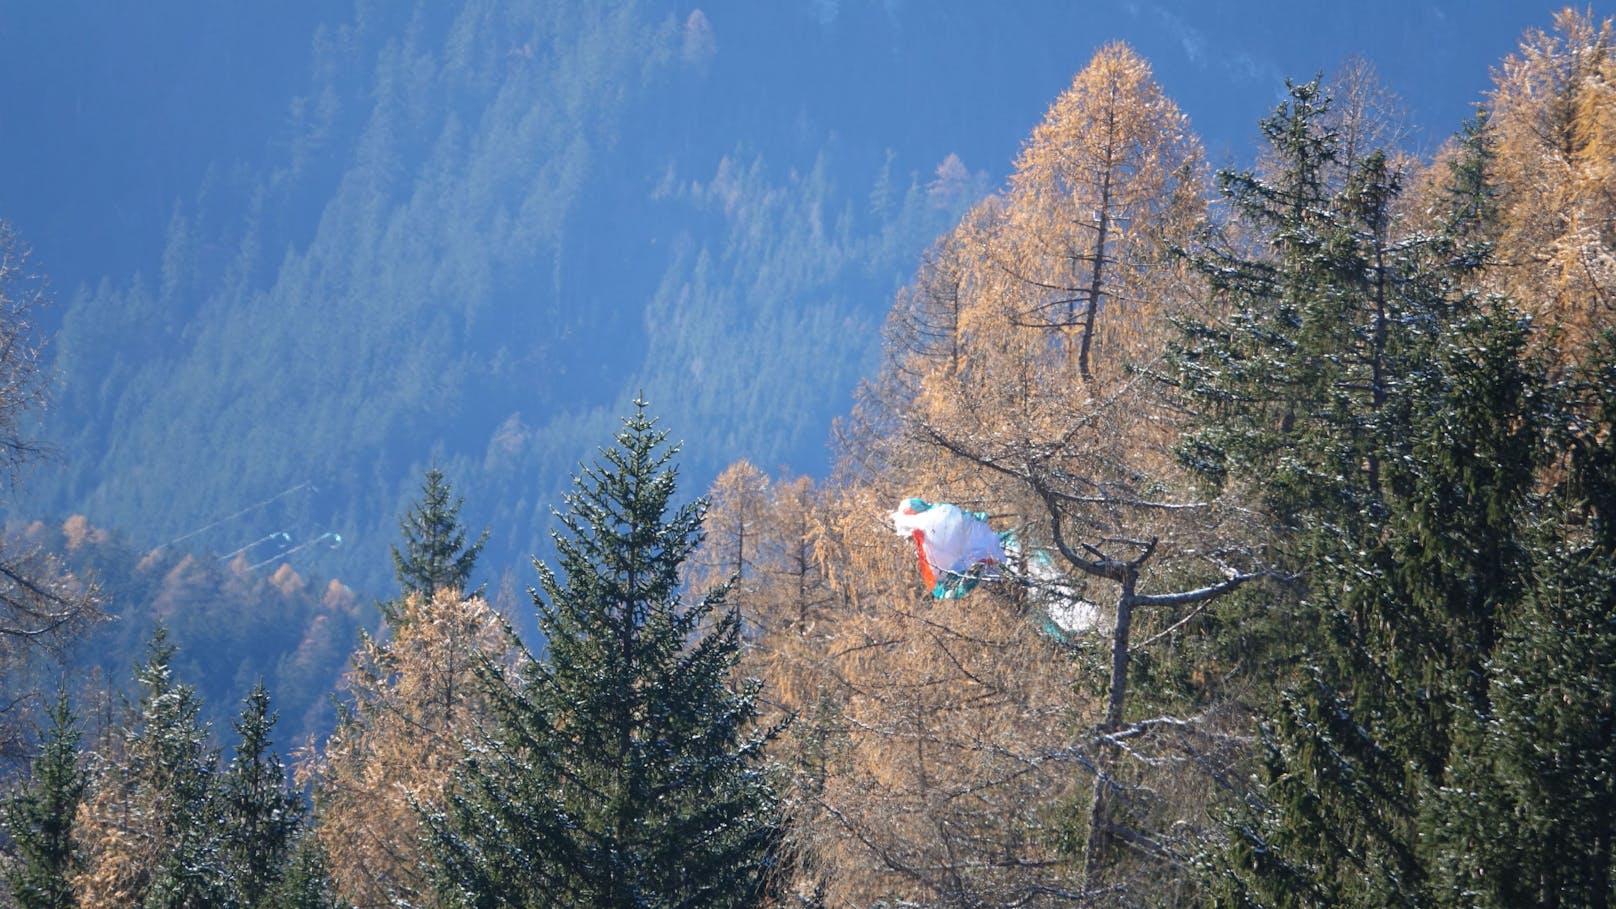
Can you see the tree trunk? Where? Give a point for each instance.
(1096, 854)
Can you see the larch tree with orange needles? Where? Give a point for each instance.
(414, 702)
(1020, 382)
(1551, 119)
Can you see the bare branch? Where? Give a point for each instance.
(1200, 594)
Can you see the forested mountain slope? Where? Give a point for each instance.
(498, 258)
(469, 233)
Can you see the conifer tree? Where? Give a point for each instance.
(39, 820)
(415, 702)
(1527, 813)
(263, 818)
(1388, 424)
(307, 882)
(1552, 116)
(624, 768)
(1033, 335)
(435, 553)
(1020, 380)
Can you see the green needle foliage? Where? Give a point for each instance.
(435, 553)
(1527, 813)
(39, 820)
(1392, 426)
(262, 817)
(624, 768)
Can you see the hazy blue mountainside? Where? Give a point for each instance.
(484, 233)
(238, 625)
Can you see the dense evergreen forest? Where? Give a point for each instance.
(1303, 473)
(429, 268)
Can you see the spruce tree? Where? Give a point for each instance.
(39, 820)
(624, 768)
(307, 882)
(1387, 422)
(1527, 814)
(178, 770)
(435, 553)
(262, 816)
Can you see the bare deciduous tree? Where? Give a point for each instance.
(43, 606)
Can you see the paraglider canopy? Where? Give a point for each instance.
(957, 548)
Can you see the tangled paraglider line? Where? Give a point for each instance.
(248, 510)
(334, 538)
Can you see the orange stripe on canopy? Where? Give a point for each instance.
(925, 564)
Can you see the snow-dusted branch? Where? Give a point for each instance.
(1199, 594)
